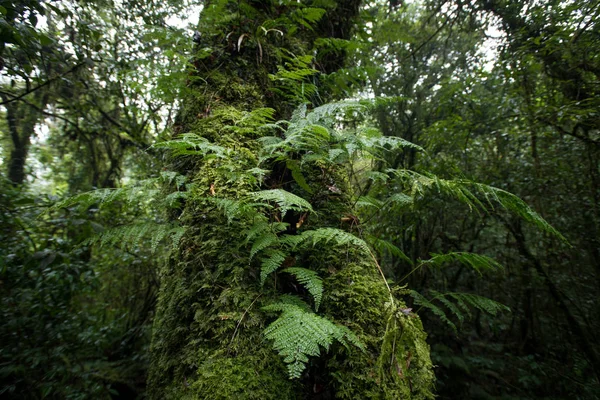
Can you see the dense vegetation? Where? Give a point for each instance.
(313, 200)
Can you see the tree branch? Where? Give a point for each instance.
(15, 98)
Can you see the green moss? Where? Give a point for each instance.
(207, 338)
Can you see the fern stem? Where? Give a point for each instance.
(241, 319)
(410, 273)
(382, 275)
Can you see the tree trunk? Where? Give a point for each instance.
(207, 336)
(22, 119)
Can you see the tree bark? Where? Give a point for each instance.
(207, 336)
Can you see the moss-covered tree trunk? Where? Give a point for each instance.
(208, 339)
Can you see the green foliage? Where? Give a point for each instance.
(285, 201)
(298, 333)
(271, 264)
(131, 236)
(458, 304)
(475, 195)
(191, 144)
(311, 281)
(477, 262)
(337, 236)
(84, 311)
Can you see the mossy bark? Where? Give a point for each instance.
(207, 339)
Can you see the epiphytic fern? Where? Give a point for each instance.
(262, 242)
(192, 144)
(459, 305)
(271, 263)
(310, 280)
(477, 262)
(475, 195)
(338, 236)
(299, 334)
(286, 201)
(132, 235)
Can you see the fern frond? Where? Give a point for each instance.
(330, 109)
(367, 201)
(294, 166)
(462, 301)
(261, 226)
(299, 334)
(386, 143)
(480, 303)
(271, 264)
(96, 197)
(422, 301)
(340, 237)
(262, 242)
(310, 280)
(382, 246)
(193, 144)
(307, 16)
(131, 236)
(400, 200)
(476, 196)
(232, 208)
(477, 262)
(284, 199)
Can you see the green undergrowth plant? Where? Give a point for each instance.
(274, 246)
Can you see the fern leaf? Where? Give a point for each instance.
(271, 264)
(193, 144)
(462, 301)
(262, 242)
(133, 235)
(367, 201)
(476, 196)
(285, 200)
(299, 334)
(340, 237)
(293, 166)
(99, 197)
(477, 262)
(310, 280)
(386, 246)
(480, 303)
(422, 301)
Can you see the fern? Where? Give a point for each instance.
(233, 209)
(383, 246)
(99, 197)
(133, 235)
(307, 16)
(193, 144)
(299, 334)
(464, 302)
(262, 242)
(477, 262)
(285, 200)
(271, 264)
(338, 236)
(262, 226)
(311, 281)
(422, 301)
(476, 196)
(294, 166)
